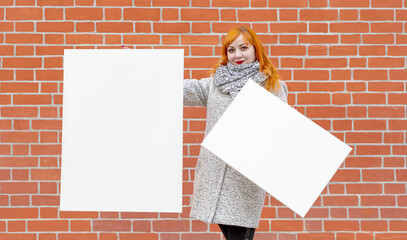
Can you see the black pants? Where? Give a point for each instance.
(237, 233)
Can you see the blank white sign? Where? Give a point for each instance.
(122, 130)
(276, 147)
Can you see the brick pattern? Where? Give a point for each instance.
(344, 62)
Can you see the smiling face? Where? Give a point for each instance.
(241, 52)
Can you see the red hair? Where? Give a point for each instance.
(266, 67)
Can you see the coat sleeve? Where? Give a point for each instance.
(196, 92)
(283, 92)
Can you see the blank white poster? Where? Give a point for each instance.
(122, 130)
(276, 147)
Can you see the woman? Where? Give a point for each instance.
(221, 194)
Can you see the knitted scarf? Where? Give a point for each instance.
(230, 79)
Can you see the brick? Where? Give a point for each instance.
(369, 98)
(21, 124)
(385, 62)
(318, 15)
(288, 14)
(392, 162)
(112, 225)
(286, 225)
(313, 98)
(343, 50)
(373, 225)
(340, 200)
(171, 3)
(401, 174)
(387, 112)
(114, 27)
(326, 112)
(55, 2)
(78, 236)
(349, 3)
(171, 27)
(370, 74)
(364, 188)
(84, 39)
(48, 188)
(54, 38)
(336, 225)
(346, 175)
(19, 112)
(45, 200)
(113, 14)
(325, 63)
(288, 50)
(6, 27)
(18, 162)
(141, 226)
(201, 27)
(289, 4)
(316, 236)
(21, 62)
(18, 87)
(143, 14)
(378, 201)
(349, 27)
(19, 137)
(387, 4)
(24, 13)
(397, 98)
(398, 225)
(18, 236)
(55, 26)
(351, 39)
(295, 27)
(199, 14)
(45, 174)
(370, 124)
(398, 74)
(257, 15)
(199, 40)
(372, 50)
(18, 188)
(318, 38)
(49, 75)
(54, 14)
(376, 15)
(111, 3)
(84, 13)
(171, 225)
(393, 212)
(141, 39)
(385, 86)
(79, 214)
(7, 50)
(378, 39)
(348, 15)
(80, 225)
(397, 124)
(372, 150)
(373, 175)
(386, 27)
(363, 162)
(32, 99)
(48, 225)
(46, 149)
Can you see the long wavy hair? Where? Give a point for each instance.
(266, 67)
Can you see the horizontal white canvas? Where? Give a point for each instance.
(276, 147)
(122, 130)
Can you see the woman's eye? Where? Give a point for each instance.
(231, 50)
(244, 48)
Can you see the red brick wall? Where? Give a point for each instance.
(344, 62)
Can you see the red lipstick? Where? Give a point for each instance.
(239, 62)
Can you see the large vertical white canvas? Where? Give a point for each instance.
(122, 130)
(276, 147)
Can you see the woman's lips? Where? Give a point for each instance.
(239, 62)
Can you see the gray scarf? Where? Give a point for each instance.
(230, 79)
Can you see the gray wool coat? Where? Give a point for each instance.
(221, 194)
